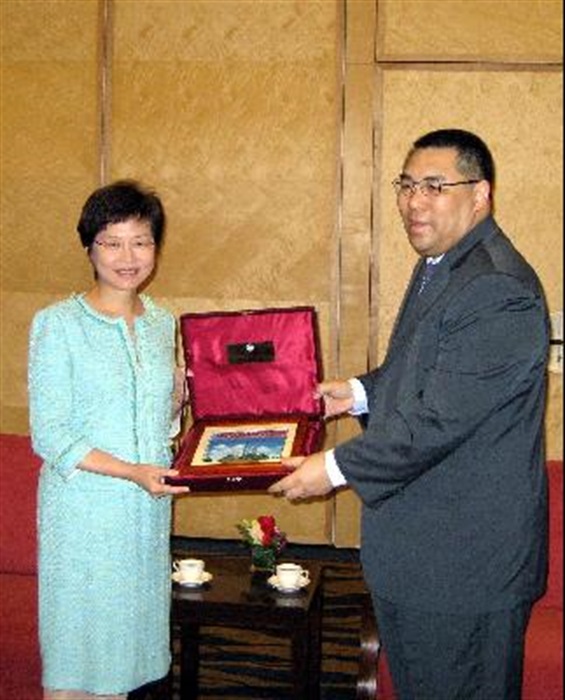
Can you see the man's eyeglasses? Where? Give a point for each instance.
(428, 186)
(140, 245)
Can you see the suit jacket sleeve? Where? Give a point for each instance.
(488, 346)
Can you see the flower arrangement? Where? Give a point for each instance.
(266, 540)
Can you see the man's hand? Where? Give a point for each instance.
(309, 479)
(337, 395)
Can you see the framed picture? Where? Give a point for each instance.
(227, 455)
(247, 443)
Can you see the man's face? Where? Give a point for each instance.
(435, 223)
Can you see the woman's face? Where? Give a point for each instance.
(123, 255)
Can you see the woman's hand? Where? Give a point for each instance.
(152, 479)
(149, 477)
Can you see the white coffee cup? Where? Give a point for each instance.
(189, 570)
(291, 575)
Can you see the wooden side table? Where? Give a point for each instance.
(237, 598)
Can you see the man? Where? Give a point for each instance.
(450, 466)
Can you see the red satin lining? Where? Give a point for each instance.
(256, 389)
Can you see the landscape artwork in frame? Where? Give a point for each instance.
(245, 444)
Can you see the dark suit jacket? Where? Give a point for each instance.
(450, 467)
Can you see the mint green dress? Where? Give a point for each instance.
(104, 567)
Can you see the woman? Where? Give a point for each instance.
(102, 395)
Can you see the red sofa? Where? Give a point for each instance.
(543, 662)
(20, 668)
(543, 666)
(20, 664)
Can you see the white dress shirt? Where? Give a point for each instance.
(360, 406)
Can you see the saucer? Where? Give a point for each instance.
(206, 578)
(274, 582)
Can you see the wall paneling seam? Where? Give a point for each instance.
(335, 322)
(105, 37)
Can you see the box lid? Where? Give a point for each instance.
(252, 363)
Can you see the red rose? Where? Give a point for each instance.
(269, 528)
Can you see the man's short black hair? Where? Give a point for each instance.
(474, 158)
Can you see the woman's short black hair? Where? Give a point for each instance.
(117, 202)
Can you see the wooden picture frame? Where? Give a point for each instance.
(205, 464)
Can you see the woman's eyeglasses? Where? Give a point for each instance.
(139, 245)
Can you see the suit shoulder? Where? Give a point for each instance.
(496, 257)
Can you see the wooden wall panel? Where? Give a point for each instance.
(236, 112)
(355, 232)
(49, 135)
(519, 31)
(554, 417)
(242, 144)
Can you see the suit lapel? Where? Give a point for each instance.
(409, 300)
(415, 306)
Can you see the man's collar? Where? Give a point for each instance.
(434, 260)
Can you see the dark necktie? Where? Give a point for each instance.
(427, 276)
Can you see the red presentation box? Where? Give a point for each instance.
(251, 396)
